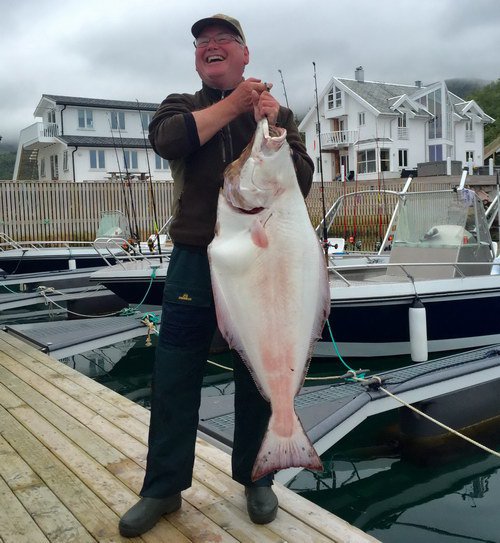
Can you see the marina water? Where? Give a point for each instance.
(448, 494)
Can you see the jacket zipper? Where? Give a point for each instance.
(227, 142)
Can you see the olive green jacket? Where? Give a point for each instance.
(198, 170)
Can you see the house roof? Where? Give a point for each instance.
(93, 141)
(392, 98)
(379, 95)
(96, 102)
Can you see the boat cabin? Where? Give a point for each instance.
(447, 229)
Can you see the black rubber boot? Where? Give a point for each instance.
(262, 504)
(146, 513)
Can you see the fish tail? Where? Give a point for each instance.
(278, 452)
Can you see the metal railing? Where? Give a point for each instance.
(343, 137)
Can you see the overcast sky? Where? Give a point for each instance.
(142, 49)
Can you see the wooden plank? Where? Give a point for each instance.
(78, 421)
(88, 509)
(327, 524)
(16, 525)
(122, 403)
(42, 428)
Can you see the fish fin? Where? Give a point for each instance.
(277, 452)
(258, 234)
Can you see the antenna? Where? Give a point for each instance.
(284, 89)
(318, 130)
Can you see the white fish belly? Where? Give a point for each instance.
(271, 301)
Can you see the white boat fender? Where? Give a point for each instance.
(72, 264)
(418, 331)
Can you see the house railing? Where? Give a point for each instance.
(49, 130)
(402, 133)
(339, 139)
(39, 131)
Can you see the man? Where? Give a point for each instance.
(200, 135)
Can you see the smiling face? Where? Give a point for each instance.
(220, 66)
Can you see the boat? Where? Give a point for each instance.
(437, 255)
(112, 242)
(441, 261)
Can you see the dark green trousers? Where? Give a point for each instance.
(187, 327)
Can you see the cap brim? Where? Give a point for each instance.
(202, 23)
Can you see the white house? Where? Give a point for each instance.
(77, 139)
(370, 129)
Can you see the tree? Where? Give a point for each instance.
(7, 161)
(488, 99)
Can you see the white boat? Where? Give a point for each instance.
(441, 256)
(112, 241)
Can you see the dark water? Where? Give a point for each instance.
(445, 494)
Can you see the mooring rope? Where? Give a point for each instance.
(428, 417)
(123, 312)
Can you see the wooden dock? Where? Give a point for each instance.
(72, 458)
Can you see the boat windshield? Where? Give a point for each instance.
(113, 224)
(444, 219)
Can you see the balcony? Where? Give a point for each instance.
(39, 135)
(402, 133)
(336, 140)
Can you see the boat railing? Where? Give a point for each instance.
(7, 243)
(118, 251)
(341, 271)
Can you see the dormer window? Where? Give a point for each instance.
(117, 120)
(146, 119)
(51, 116)
(85, 118)
(334, 98)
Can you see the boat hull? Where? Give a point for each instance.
(374, 321)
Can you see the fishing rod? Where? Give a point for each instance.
(284, 89)
(150, 184)
(120, 174)
(318, 130)
(127, 174)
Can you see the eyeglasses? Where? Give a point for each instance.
(219, 39)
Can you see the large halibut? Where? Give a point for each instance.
(271, 289)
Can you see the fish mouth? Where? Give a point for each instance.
(252, 211)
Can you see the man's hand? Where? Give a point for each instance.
(265, 105)
(242, 96)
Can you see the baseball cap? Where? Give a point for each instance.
(218, 19)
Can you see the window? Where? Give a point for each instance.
(338, 97)
(361, 118)
(403, 158)
(146, 119)
(435, 152)
(385, 160)
(161, 163)
(434, 106)
(469, 156)
(51, 116)
(97, 161)
(65, 161)
(85, 118)
(366, 161)
(54, 167)
(318, 165)
(334, 98)
(402, 127)
(42, 167)
(117, 120)
(130, 160)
